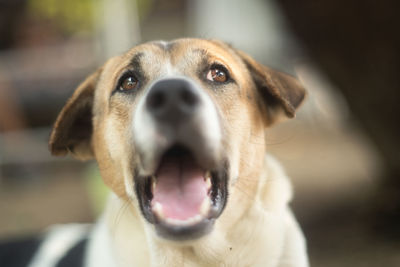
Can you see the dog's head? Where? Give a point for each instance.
(175, 126)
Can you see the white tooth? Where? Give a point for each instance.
(173, 221)
(190, 221)
(158, 210)
(205, 206)
(207, 178)
(197, 218)
(208, 183)
(153, 183)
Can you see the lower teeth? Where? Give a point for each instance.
(187, 222)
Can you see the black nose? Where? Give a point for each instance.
(172, 100)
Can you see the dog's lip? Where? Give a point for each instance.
(179, 233)
(185, 228)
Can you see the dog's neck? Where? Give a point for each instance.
(231, 242)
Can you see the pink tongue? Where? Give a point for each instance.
(180, 188)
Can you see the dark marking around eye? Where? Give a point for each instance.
(203, 67)
(137, 66)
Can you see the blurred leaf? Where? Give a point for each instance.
(70, 16)
(97, 190)
(75, 15)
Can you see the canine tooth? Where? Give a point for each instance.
(208, 183)
(153, 183)
(207, 178)
(158, 210)
(205, 206)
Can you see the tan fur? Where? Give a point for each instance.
(256, 227)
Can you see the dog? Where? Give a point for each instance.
(177, 129)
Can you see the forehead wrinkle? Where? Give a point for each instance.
(201, 51)
(208, 56)
(163, 45)
(185, 57)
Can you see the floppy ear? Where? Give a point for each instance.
(72, 131)
(281, 93)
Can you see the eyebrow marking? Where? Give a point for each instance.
(136, 64)
(135, 61)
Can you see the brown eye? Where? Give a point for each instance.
(128, 84)
(217, 74)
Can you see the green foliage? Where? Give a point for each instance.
(98, 192)
(70, 15)
(75, 15)
(144, 7)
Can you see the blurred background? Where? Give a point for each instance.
(342, 151)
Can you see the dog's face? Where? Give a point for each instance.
(176, 126)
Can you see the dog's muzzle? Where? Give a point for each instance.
(181, 181)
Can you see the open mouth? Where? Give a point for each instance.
(182, 199)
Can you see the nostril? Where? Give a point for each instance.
(156, 100)
(189, 98)
(172, 100)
